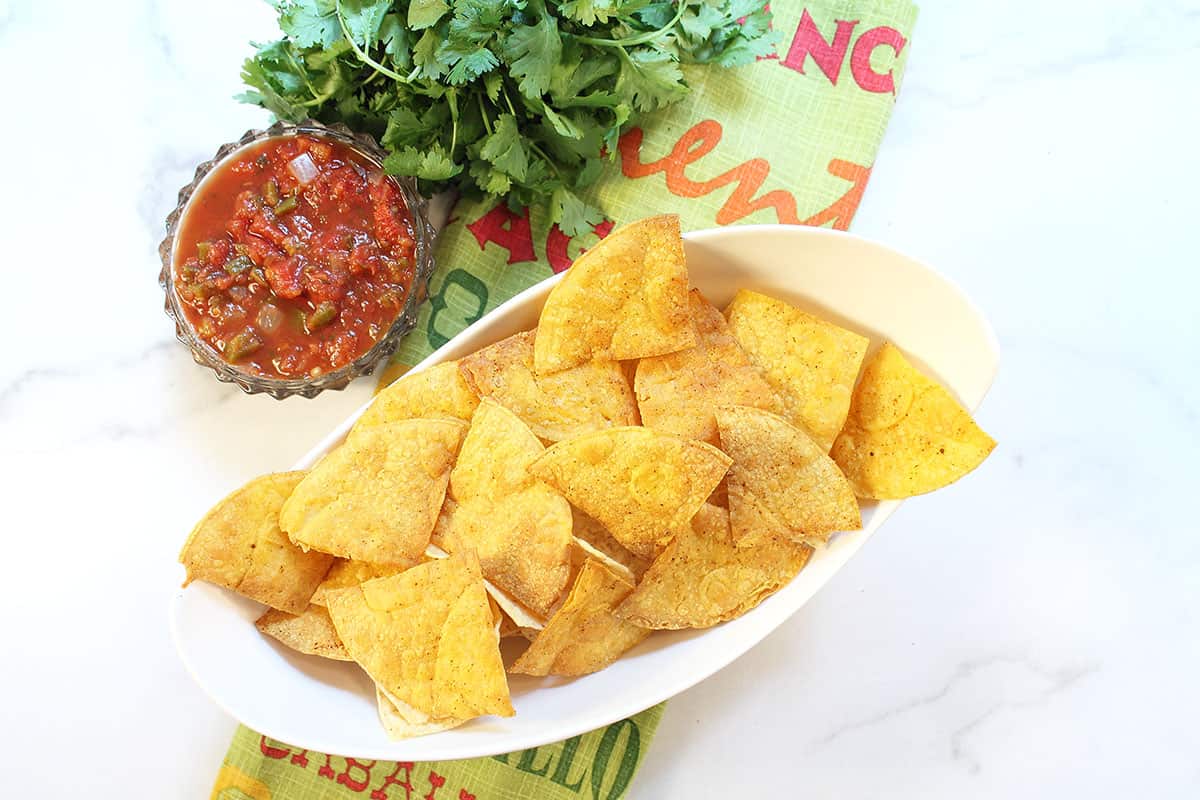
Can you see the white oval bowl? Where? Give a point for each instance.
(329, 706)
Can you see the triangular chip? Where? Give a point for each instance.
(427, 637)
(703, 578)
(345, 573)
(677, 393)
(376, 497)
(402, 721)
(311, 632)
(624, 298)
(811, 363)
(439, 391)
(590, 397)
(906, 435)
(519, 527)
(594, 539)
(238, 545)
(643, 486)
(781, 483)
(583, 636)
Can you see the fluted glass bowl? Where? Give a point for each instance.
(250, 382)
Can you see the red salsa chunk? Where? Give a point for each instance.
(294, 257)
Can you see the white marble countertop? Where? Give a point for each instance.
(1031, 631)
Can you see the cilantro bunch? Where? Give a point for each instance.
(521, 99)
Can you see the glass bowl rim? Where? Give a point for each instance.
(206, 355)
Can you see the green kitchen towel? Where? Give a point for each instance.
(790, 139)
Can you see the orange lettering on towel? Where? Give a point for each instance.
(747, 178)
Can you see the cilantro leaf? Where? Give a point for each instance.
(650, 79)
(433, 164)
(572, 214)
(531, 51)
(503, 148)
(363, 18)
(424, 13)
(310, 23)
(588, 12)
(471, 66)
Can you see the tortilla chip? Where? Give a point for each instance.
(402, 721)
(703, 578)
(519, 527)
(590, 397)
(811, 363)
(345, 573)
(906, 435)
(238, 545)
(437, 392)
(311, 632)
(677, 393)
(624, 298)
(643, 486)
(583, 636)
(426, 636)
(601, 545)
(376, 497)
(781, 483)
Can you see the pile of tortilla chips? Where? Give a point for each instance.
(639, 461)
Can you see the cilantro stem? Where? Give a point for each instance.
(358, 51)
(452, 95)
(483, 114)
(641, 38)
(533, 146)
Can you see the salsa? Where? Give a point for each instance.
(294, 257)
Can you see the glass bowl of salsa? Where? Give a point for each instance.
(293, 263)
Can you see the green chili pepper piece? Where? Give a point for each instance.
(321, 315)
(242, 345)
(238, 264)
(286, 206)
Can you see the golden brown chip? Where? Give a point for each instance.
(781, 483)
(590, 397)
(643, 486)
(678, 392)
(238, 545)
(704, 578)
(519, 527)
(376, 497)
(583, 636)
(435, 392)
(811, 363)
(906, 434)
(427, 637)
(624, 298)
(345, 573)
(597, 542)
(311, 631)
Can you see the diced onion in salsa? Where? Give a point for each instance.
(294, 257)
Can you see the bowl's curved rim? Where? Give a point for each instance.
(763, 623)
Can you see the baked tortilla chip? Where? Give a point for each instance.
(519, 527)
(624, 298)
(376, 497)
(906, 434)
(590, 397)
(238, 545)
(811, 363)
(311, 632)
(677, 393)
(402, 721)
(426, 636)
(643, 486)
(781, 483)
(345, 573)
(594, 539)
(431, 393)
(583, 636)
(703, 578)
